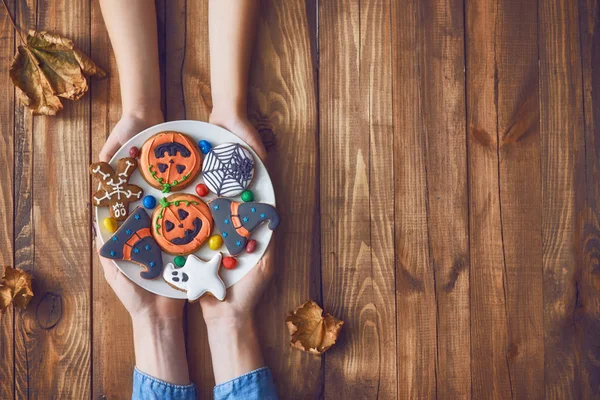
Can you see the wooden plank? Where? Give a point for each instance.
(23, 205)
(113, 355)
(53, 340)
(188, 97)
(505, 197)
(563, 193)
(282, 102)
(415, 285)
(7, 164)
(356, 136)
(441, 62)
(490, 370)
(587, 315)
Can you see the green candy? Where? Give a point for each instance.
(179, 261)
(247, 196)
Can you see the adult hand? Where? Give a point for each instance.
(128, 126)
(232, 335)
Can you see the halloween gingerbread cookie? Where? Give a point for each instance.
(236, 221)
(228, 169)
(116, 192)
(181, 223)
(170, 161)
(197, 277)
(134, 242)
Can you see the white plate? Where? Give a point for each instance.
(261, 186)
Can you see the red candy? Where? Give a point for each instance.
(133, 152)
(229, 262)
(250, 246)
(201, 189)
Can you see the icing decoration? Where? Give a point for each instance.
(242, 219)
(179, 261)
(181, 223)
(110, 224)
(247, 196)
(204, 146)
(134, 152)
(228, 169)
(201, 189)
(116, 193)
(149, 202)
(250, 246)
(197, 277)
(134, 242)
(215, 242)
(229, 262)
(170, 161)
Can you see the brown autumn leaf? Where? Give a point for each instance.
(15, 288)
(47, 67)
(312, 331)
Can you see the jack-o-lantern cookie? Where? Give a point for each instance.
(116, 192)
(181, 223)
(170, 161)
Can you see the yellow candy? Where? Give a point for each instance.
(215, 242)
(110, 224)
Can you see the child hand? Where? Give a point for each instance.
(240, 126)
(127, 127)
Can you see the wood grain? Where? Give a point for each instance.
(441, 61)
(415, 284)
(563, 188)
(113, 355)
(490, 370)
(7, 115)
(587, 315)
(53, 336)
(356, 185)
(282, 103)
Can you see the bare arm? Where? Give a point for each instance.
(132, 29)
(232, 30)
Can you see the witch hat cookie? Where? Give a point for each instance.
(134, 242)
(236, 221)
(197, 277)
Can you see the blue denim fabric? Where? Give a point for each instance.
(146, 387)
(257, 384)
(254, 385)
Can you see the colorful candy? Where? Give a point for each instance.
(247, 196)
(149, 202)
(201, 189)
(251, 246)
(214, 242)
(204, 146)
(229, 262)
(134, 152)
(179, 261)
(110, 224)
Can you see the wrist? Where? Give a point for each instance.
(234, 347)
(144, 112)
(159, 345)
(228, 114)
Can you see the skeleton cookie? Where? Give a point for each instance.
(116, 192)
(197, 277)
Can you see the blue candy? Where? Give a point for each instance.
(149, 202)
(204, 146)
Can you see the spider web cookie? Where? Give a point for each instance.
(116, 192)
(228, 169)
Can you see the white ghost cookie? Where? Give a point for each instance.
(197, 277)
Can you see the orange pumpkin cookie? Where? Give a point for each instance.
(181, 223)
(170, 161)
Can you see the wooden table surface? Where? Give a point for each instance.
(437, 168)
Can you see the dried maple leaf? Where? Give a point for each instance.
(15, 288)
(312, 331)
(47, 67)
